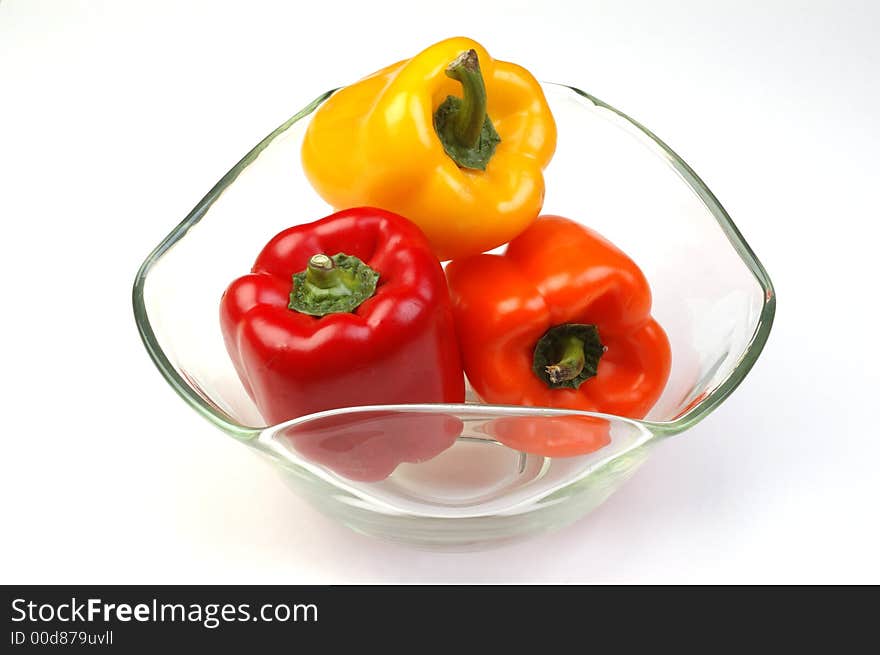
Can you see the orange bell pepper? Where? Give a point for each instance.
(452, 139)
(562, 319)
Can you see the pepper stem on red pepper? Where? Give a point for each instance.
(462, 124)
(568, 355)
(322, 272)
(331, 285)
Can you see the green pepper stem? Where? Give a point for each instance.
(469, 119)
(331, 285)
(461, 124)
(567, 355)
(570, 364)
(322, 272)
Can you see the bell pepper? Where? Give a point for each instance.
(348, 310)
(452, 139)
(561, 319)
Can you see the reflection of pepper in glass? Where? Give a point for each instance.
(551, 436)
(349, 310)
(452, 139)
(562, 319)
(368, 446)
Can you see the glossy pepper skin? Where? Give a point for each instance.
(558, 273)
(397, 346)
(375, 143)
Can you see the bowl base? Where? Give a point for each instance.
(477, 495)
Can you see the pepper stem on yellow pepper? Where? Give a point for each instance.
(331, 285)
(462, 124)
(568, 355)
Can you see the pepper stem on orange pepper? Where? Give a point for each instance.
(571, 363)
(568, 355)
(462, 124)
(331, 285)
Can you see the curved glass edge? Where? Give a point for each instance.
(660, 429)
(747, 255)
(614, 462)
(148, 336)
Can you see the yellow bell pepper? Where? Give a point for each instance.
(467, 170)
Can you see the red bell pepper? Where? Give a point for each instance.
(349, 310)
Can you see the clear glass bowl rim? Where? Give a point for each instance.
(658, 428)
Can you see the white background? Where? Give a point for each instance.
(116, 117)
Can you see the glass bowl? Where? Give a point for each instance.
(466, 488)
